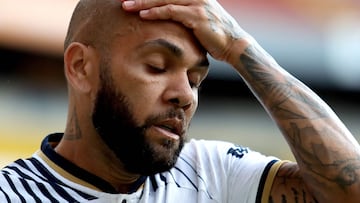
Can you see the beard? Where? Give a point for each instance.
(113, 120)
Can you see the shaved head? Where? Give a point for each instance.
(95, 22)
(118, 95)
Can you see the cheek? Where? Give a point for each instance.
(144, 101)
(140, 92)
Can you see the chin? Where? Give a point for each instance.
(166, 154)
(159, 157)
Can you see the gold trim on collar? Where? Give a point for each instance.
(64, 173)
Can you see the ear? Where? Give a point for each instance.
(81, 65)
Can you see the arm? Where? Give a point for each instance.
(327, 155)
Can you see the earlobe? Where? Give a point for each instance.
(78, 66)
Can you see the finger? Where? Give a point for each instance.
(183, 14)
(137, 5)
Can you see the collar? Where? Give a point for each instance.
(75, 173)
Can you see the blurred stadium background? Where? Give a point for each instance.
(316, 40)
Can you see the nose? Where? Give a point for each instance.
(180, 93)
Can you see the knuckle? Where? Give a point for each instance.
(170, 9)
(199, 10)
(140, 3)
(143, 4)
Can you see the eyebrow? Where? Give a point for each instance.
(178, 52)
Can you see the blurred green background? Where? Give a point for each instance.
(316, 40)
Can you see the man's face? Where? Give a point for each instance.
(148, 95)
(113, 120)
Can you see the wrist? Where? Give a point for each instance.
(236, 48)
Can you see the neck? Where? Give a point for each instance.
(93, 156)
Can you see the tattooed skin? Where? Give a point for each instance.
(309, 126)
(224, 22)
(288, 187)
(74, 131)
(269, 86)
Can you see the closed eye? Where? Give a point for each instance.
(155, 69)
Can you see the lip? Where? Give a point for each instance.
(172, 128)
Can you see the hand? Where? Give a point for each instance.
(211, 24)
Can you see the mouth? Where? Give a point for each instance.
(172, 128)
(169, 128)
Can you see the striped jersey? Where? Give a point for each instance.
(206, 171)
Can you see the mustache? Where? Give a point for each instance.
(178, 114)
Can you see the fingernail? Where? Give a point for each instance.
(144, 13)
(129, 4)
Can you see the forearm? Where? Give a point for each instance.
(327, 153)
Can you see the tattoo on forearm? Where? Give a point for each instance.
(348, 175)
(223, 22)
(304, 118)
(282, 89)
(320, 156)
(73, 129)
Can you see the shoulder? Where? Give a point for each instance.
(16, 178)
(215, 146)
(31, 179)
(222, 151)
(216, 170)
(222, 160)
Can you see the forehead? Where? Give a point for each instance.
(136, 34)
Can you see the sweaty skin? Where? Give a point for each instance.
(327, 155)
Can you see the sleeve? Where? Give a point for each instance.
(249, 174)
(231, 173)
(267, 180)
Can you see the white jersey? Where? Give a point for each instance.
(206, 171)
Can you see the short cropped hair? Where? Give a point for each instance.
(92, 23)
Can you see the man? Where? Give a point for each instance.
(133, 70)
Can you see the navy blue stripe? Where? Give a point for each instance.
(29, 190)
(192, 183)
(6, 196)
(13, 187)
(187, 163)
(46, 193)
(137, 184)
(70, 167)
(42, 188)
(263, 180)
(53, 181)
(5, 172)
(177, 184)
(197, 174)
(195, 171)
(20, 173)
(153, 183)
(24, 165)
